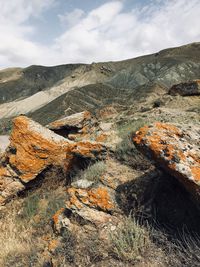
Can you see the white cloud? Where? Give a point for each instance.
(105, 33)
(71, 18)
(18, 11)
(109, 33)
(15, 46)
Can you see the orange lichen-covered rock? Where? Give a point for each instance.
(97, 198)
(175, 149)
(88, 149)
(93, 205)
(186, 89)
(33, 148)
(57, 214)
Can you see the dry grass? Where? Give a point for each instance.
(18, 246)
(130, 241)
(25, 222)
(186, 250)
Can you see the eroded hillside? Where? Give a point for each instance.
(63, 90)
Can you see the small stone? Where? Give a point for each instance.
(113, 228)
(82, 183)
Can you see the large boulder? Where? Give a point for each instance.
(76, 123)
(186, 89)
(175, 149)
(33, 148)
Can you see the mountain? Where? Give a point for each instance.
(48, 93)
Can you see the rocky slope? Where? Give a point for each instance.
(116, 184)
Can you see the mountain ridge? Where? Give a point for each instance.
(37, 88)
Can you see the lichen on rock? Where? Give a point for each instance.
(33, 148)
(175, 149)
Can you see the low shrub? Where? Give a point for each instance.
(66, 251)
(130, 241)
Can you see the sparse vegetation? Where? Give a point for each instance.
(26, 224)
(66, 251)
(188, 250)
(127, 128)
(18, 248)
(39, 207)
(126, 151)
(130, 241)
(30, 207)
(93, 172)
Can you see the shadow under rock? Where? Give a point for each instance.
(161, 200)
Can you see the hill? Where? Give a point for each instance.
(53, 91)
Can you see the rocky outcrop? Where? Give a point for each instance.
(175, 149)
(101, 203)
(80, 123)
(33, 148)
(94, 202)
(186, 89)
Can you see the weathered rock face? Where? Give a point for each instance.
(186, 89)
(174, 149)
(33, 148)
(77, 123)
(98, 202)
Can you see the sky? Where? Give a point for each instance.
(53, 32)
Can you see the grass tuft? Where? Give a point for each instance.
(126, 151)
(93, 172)
(130, 241)
(30, 207)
